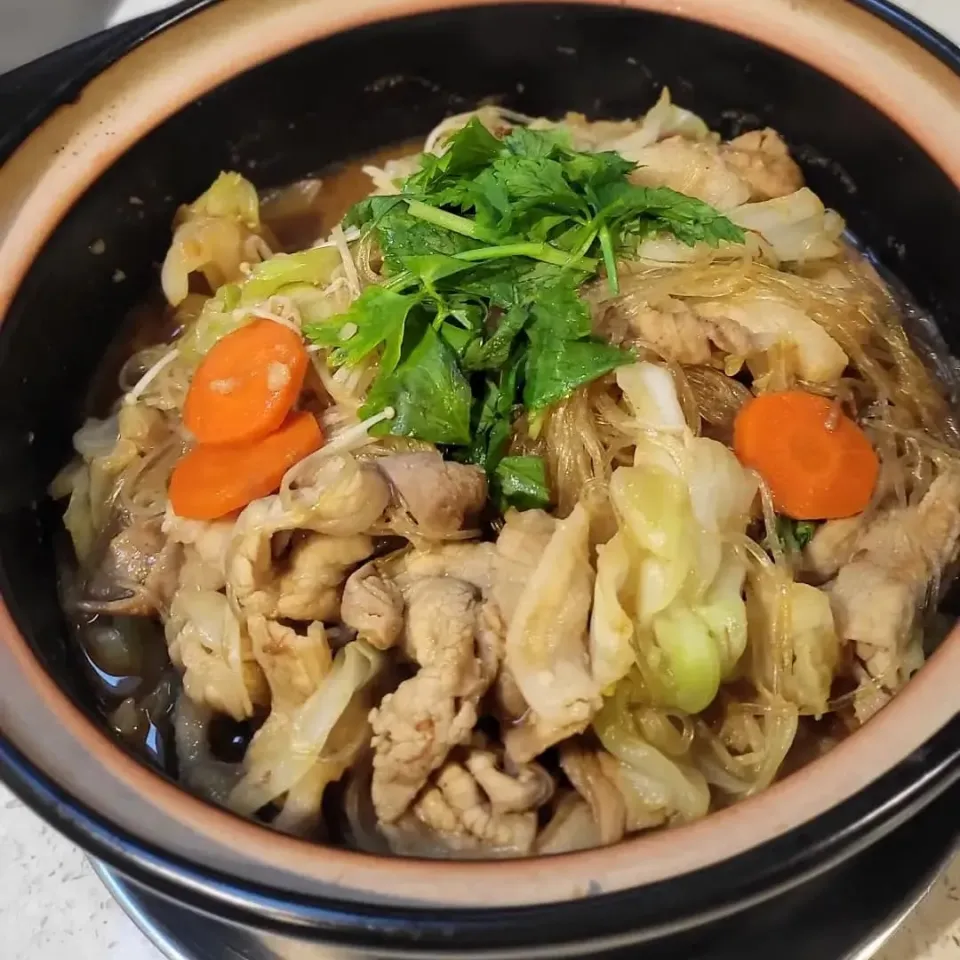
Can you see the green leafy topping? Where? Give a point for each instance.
(803, 532)
(485, 250)
(493, 415)
(521, 482)
(795, 534)
(555, 368)
(495, 352)
(430, 395)
(476, 148)
(376, 318)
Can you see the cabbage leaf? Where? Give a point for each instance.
(654, 782)
(668, 596)
(296, 754)
(797, 227)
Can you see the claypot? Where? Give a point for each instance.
(870, 101)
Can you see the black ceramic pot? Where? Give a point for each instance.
(869, 100)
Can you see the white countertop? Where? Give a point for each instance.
(53, 907)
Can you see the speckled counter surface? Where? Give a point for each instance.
(51, 904)
(53, 907)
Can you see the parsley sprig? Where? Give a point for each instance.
(485, 250)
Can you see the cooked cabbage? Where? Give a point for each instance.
(664, 119)
(815, 355)
(314, 743)
(651, 781)
(797, 227)
(695, 168)
(299, 277)
(546, 643)
(667, 596)
(211, 234)
(231, 197)
(207, 640)
(213, 246)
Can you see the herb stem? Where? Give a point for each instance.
(609, 258)
(401, 281)
(587, 243)
(535, 251)
(449, 221)
(468, 228)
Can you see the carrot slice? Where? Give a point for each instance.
(818, 465)
(212, 481)
(246, 384)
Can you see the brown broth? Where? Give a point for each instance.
(300, 224)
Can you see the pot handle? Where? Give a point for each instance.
(29, 94)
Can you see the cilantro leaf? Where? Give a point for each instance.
(593, 171)
(516, 281)
(545, 229)
(493, 422)
(432, 267)
(376, 318)
(491, 429)
(537, 144)
(461, 340)
(489, 200)
(527, 183)
(464, 311)
(558, 310)
(430, 395)
(467, 152)
(516, 193)
(504, 283)
(496, 350)
(555, 368)
(401, 235)
(521, 482)
(638, 209)
(367, 212)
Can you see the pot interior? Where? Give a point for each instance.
(344, 96)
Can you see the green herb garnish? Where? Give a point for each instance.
(795, 534)
(521, 482)
(485, 250)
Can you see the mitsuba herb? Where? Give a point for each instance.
(485, 250)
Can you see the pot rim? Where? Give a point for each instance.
(608, 921)
(931, 682)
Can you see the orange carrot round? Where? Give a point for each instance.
(818, 464)
(246, 384)
(212, 481)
